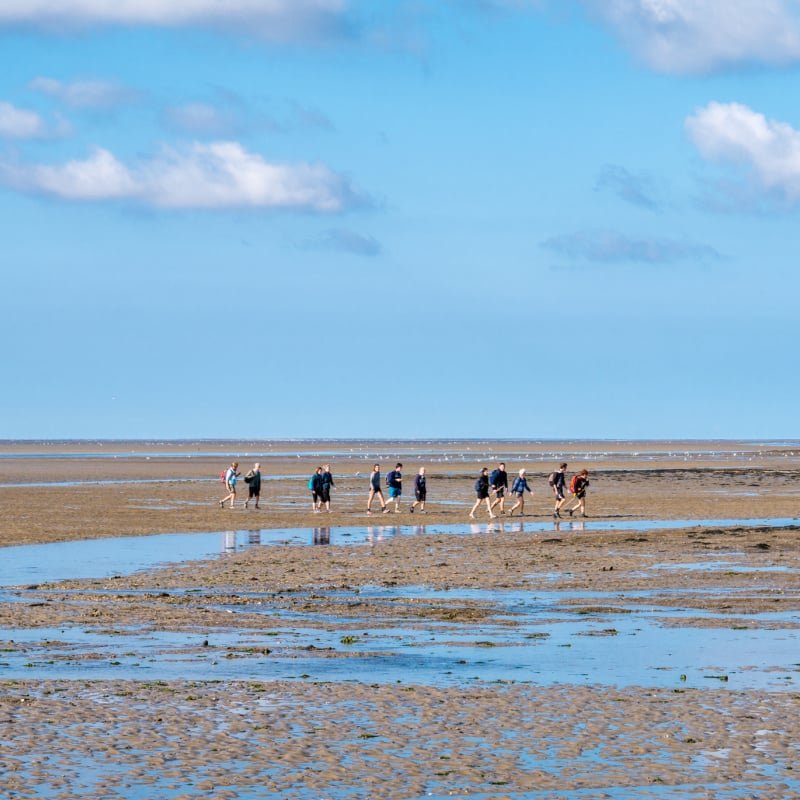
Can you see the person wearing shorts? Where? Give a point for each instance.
(420, 491)
(498, 486)
(375, 489)
(578, 490)
(518, 489)
(315, 484)
(327, 484)
(394, 480)
(231, 476)
(253, 481)
(482, 494)
(558, 483)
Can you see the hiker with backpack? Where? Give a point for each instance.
(498, 483)
(518, 489)
(315, 486)
(253, 481)
(482, 493)
(558, 483)
(375, 489)
(394, 482)
(577, 488)
(229, 479)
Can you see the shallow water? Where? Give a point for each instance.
(533, 637)
(101, 558)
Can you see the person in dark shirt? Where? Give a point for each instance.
(327, 485)
(482, 493)
(558, 483)
(394, 480)
(498, 486)
(315, 484)
(375, 489)
(577, 488)
(420, 491)
(253, 481)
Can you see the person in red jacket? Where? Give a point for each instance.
(577, 488)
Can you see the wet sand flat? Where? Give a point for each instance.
(124, 488)
(433, 657)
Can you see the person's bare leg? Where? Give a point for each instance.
(474, 508)
(489, 509)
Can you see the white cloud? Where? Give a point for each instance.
(18, 123)
(691, 36)
(272, 19)
(768, 150)
(87, 94)
(215, 175)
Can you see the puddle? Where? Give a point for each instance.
(102, 558)
(546, 645)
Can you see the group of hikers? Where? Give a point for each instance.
(490, 488)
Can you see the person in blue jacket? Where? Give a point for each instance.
(518, 489)
(315, 485)
(394, 480)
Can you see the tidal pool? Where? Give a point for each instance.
(102, 558)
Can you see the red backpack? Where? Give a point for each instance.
(573, 484)
(222, 475)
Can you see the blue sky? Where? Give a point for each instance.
(483, 218)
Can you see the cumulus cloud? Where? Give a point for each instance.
(695, 36)
(767, 150)
(639, 189)
(18, 123)
(85, 94)
(277, 20)
(610, 246)
(347, 241)
(214, 175)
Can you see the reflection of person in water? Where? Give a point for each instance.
(253, 537)
(322, 536)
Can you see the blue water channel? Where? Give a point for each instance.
(103, 558)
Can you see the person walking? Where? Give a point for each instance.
(394, 480)
(558, 483)
(327, 485)
(498, 485)
(253, 481)
(420, 492)
(577, 488)
(315, 485)
(231, 475)
(375, 489)
(482, 493)
(518, 489)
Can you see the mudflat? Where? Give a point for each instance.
(68, 490)
(436, 659)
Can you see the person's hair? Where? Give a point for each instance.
(563, 466)
(522, 472)
(501, 464)
(484, 469)
(319, 468)
(584, 472)
(398, 464)
(376, 465)
(234, 463)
